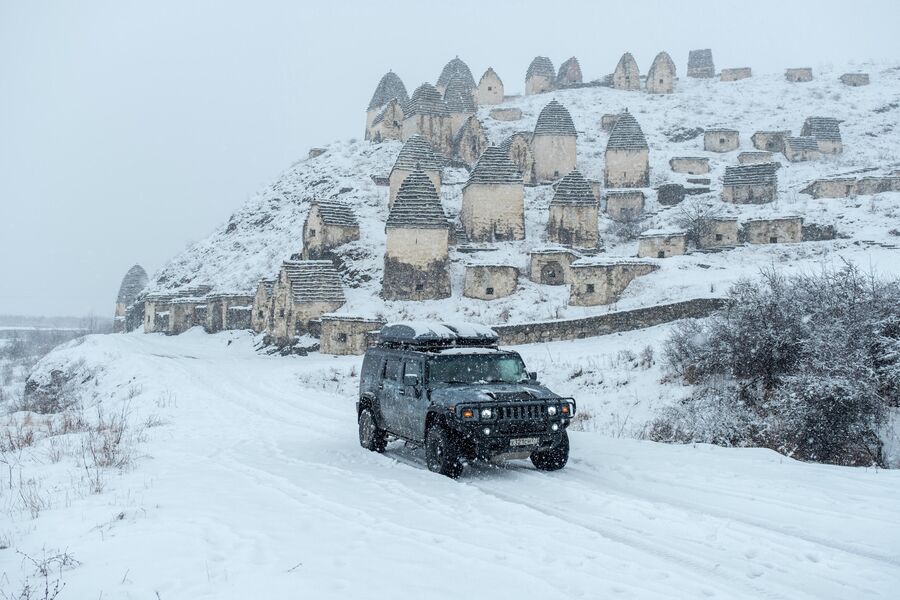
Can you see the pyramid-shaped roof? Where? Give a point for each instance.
(389, 87)
(134, 282)
(758, 174)
(822, 128)
(488, 73)
(574, 189)
(662, 60)
(626, 134)
(313, 281)
(417, 153)
(426, 100)
(456, 68)
(494, 166)
(418, 205)
(554, 120)
(543, 66)
(458, 96)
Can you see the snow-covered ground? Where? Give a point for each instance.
(248, 481)
(268, 229)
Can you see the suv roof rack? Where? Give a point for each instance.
(425, 335)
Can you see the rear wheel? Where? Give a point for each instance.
(371, 437)
(442, 452)
(553, 459)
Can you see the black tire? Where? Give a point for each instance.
(442, 452)
(371, 437)
(555, 458)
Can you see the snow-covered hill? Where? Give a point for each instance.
(247, 479)
(267, 230)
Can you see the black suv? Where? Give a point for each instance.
(452, 389)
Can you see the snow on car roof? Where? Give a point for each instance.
(471, 350)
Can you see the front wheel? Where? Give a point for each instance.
(371, 437)
(442, 452)
(553, 459)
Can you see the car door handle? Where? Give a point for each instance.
(401, 391)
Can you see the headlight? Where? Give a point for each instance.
(566, 410)
(551, 410)
(486, 413)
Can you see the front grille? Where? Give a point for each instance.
(522, 412)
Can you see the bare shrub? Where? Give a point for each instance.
(696, 218)
(32, 498)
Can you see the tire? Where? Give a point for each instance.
(555, 458)
(371, 437)
(442, 452)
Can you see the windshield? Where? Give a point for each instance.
(478, 368)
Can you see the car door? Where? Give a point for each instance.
(412, 400)
(388, 394)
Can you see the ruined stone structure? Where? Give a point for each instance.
(657, 243)
(427, 115)
(774, 230)
(415, 154)
(346, 335)
(176, 311)
(518, 148)
(692, 165)
(493, 200)
(460, 101)
(624, 205)
(505, 114)
(314, 152)
(263, 306)
(415, 258)
(661, 76)
(553, 142)
(470, 141)
(769, 141)
(855, 79)
(670, 194)
(876, 185)
(627, 76)
(627, 158)
(735, 74)
(388, 124)
(798, 75)
(540, 76)
(455, 68)
(598, 280)
(574, 213)
(489, 282)
(721, 140)
(490, 89)
(799, 149)
(827, 133)
(569, 74)
(551, 266)
(721, 231)
(304, 290)
(329, 224)
(848, 187)
(700, 64)
(607, 122)
(226, 311)
(754, 158)
(130, 291)
(750, 184)
(389, 88)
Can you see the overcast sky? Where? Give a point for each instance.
(129, 130)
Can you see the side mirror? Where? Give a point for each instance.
(532, 375)
(411, 380)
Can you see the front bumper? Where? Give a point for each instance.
(499, 442)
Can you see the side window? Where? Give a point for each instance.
(391, 369)
(412, 367)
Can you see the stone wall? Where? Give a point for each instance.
(221, 313)
(345, 335)
(798, 75)
(626, 205)
(489, 90)
(538, 84)
(523, 157)
(319, 238)
(554, 156)
(626, 168)
(842, 187)
(721, 232)
(573, 225)
(774, 231)
(262, 310)
(662, 246)
(735, 74)
(489, 282)
(594, 284)
(721, 140)
(434, 128)
(748, 193)
(855, 79)
(615, 322)
(754, 158)
(493, 211)
(692, 165)
(800, 154)
(769, 141)
(505, 114)
(551, 267)
(391, 125)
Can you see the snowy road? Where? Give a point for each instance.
(257, 487)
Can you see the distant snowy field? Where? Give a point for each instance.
(248, 481)
(268, 229)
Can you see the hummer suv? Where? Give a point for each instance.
(450, 388)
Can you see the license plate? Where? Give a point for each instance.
(523, 442)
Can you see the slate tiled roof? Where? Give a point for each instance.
(456, 67)
(380, 116)
(417, 153)
(758, 174)
(822, 128)
(490, 71)
(574, 189)
(389, 87)
(662, 60)
(313, 281)
(626, 134)
(134, 282)
(335, 212)
(700, 59)
(506, 145)
(458, 96)
(426, 100)
(554, 120)
(494, 166)
(802, 143)
(542, 66)
(418, 205)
